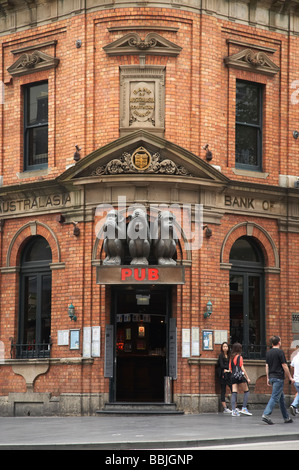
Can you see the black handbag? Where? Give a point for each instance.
(237, 373)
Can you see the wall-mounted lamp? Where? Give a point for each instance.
(208, 231)
(71, 312)
(77, 153)
(295, 134)
(209, 154)
(76, 230)
(60, 219)
(209, 310)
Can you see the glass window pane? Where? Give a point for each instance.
(37, 104)
(30, 309)
(247, 145)
(45, 309)
(242, 250)
(247, 103)
(236, 308)
(254, 310)
(38, 250)
(38, 145)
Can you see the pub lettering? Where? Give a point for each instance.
(140, 274)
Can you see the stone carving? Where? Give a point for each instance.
(30, 60)
(142, 98)
(256, 61)
(142, 44)
(142, 103)
(127, 164)
(114, 238)
(165, 238)
(33, 62)
(153, 43)
(138, 237)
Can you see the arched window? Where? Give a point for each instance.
(247, 298)
(35, 299)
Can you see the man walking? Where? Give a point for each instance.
(295, 364)
(276, 369)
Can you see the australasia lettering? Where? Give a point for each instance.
(38, 202)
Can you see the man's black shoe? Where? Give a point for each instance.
(293, 410)
(289, 420)
(267, 420)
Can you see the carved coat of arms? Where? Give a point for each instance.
(141, 161)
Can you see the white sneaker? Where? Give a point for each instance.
(235, 412)
(227, 411)
(244, 411)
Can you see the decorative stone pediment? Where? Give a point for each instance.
(141, 155)
(132, 43)
(32, 62)
(251, 60)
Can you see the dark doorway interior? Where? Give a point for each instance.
(247, 299)
(141, 316)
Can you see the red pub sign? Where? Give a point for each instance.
(140, 275)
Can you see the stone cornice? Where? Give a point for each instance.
(275, 15)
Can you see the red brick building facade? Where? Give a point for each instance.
(188, 105)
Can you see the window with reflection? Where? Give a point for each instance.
(35, 300)
(249, 122)
(36, 126)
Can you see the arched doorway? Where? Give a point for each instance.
(247, 297)
(35, 299)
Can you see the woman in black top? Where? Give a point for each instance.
(224, 374)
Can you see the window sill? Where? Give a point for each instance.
(34, 173)
(250, 173)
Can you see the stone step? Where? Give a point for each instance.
(128, 408)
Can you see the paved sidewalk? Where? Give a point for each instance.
(141, 432)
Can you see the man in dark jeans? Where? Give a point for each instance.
(276, 369)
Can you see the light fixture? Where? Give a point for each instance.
(209, 310)
(60, 219)
(143, 299)
(208, 231)
(295, 134)
(71, 312)
(76, 230)
(77, 153)
(143, 296)
(209, 154)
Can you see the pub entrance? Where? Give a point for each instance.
(141, 317)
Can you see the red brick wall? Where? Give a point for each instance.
(84, 88)
(199, 109)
